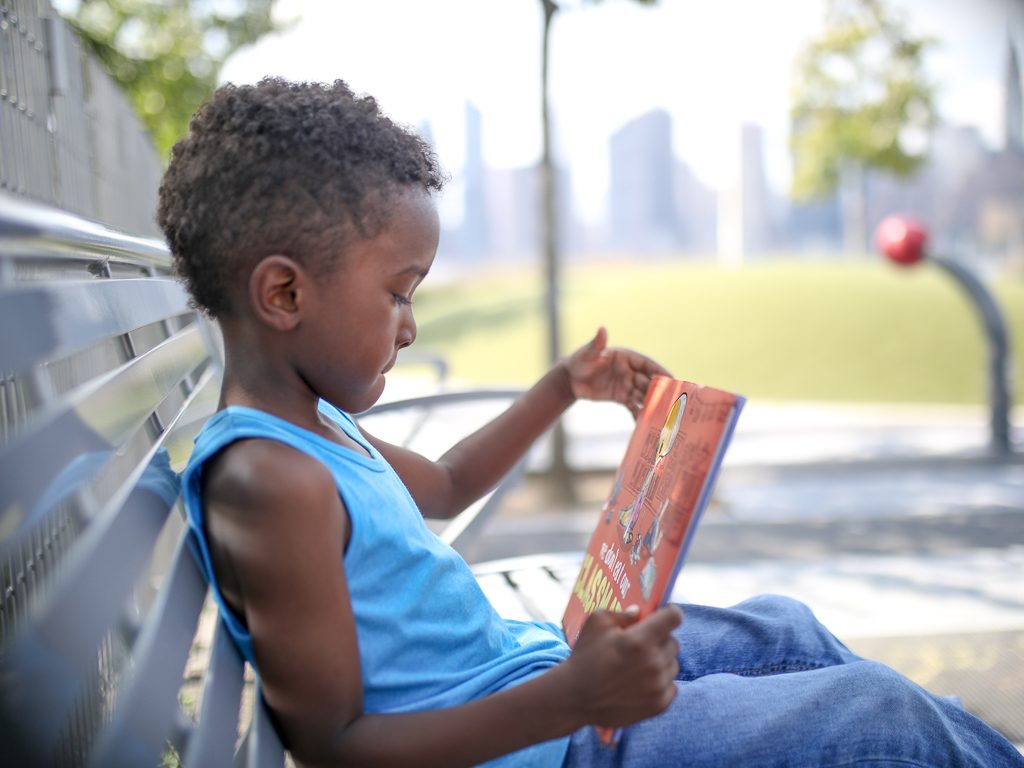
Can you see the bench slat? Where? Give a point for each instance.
(148, 697)
(54, 320)
(505, 599)
(46, 663)
(261, 747)
(531, 587)
(212, 743)
(566, 569)
(89, 423)
(544, 597)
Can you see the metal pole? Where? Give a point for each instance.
(998, 351)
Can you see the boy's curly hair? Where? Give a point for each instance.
(298, 169)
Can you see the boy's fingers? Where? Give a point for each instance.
(672, 663)
(661, 622)
(652, 368)
(620, 620)
(668, 696)
(626, 618)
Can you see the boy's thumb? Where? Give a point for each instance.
(597, 344)
(627, 617)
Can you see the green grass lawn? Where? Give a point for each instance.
(787, 331)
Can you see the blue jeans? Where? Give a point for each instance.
(765, 684)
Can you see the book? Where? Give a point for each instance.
(663, 485)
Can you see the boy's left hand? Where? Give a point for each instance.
(599, 372)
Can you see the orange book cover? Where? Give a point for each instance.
(663, 485)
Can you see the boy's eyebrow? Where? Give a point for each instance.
(413, 270)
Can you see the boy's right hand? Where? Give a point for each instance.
(624, 668)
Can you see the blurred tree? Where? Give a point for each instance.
(167, 54)
(860, 101)
(550, 241)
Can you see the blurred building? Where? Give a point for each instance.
(813, 227)
(744, 226)
(642, 209)
(474, 234)
(512, 210)
(1013, 101)
(697, 205)
(513, 197)
(655, 202)
(500, 208)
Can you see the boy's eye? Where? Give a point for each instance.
(400, 299)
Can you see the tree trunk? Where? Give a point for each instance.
(561, 480)
(853, 208)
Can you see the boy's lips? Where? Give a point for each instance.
(391, 364)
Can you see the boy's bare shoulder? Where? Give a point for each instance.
(276, 527)
(263, 475)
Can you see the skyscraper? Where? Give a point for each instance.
(743, 215)
(473, 240)
(643, 213)
(1014, 101)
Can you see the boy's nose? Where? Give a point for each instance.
(407, 331)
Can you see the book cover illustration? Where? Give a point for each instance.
(664, 482)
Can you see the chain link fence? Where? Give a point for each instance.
(68, 136)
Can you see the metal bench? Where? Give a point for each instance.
(106, 376)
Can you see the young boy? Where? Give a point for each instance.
(302, 220)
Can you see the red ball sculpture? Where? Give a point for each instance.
(901, 239)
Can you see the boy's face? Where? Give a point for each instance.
(363, 310)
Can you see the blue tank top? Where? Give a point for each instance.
(428, 637)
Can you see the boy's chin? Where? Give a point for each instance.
(372, 395)
(357, 402)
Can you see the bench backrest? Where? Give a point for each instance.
(106, 375)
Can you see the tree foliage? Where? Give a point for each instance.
(860, 98)
(167, 54)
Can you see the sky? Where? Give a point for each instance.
(711, 65)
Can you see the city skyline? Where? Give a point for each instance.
(710, 68)
(966, 194)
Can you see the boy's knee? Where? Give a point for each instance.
(777, 606)
(888, 689)
(880, 713)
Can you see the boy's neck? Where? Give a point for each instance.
(255, 379)
(301, 412)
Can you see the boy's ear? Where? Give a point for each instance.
(277, 287)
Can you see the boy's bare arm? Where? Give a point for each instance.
(278, 528)
(623, 671)
(477, 463)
